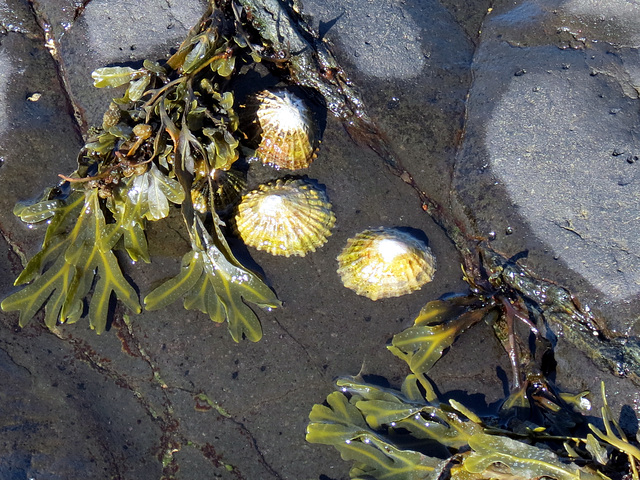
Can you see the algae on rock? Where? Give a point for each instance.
(160, 143)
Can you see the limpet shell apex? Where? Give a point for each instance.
(285, 217)
(385, 262)
(287, 130)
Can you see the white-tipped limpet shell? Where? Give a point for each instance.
(385, 262)
(285, 217)
(288, 137)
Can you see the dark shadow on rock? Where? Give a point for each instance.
(324, 27)
(505, 380)
(629, 421)
(416, 233)
(16, 465)
(377, 380)
(476, 402)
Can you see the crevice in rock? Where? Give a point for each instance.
(53, 46)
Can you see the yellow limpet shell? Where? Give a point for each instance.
(288, 131)
(285, 217)
(385, 262)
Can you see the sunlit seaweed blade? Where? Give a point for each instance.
(286, 129)
(285, 217)
(385, 262)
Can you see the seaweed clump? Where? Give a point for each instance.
(164, 142)
(401, 435)
(408, 434)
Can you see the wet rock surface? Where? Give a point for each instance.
(529, 127)
(553, 121)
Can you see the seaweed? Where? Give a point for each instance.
(389, 434)
(613, 436)
(370, 427)
(410, 434)
(162, 143)
(343, 424)
(213, 281)
(65, 267)
(422, 344)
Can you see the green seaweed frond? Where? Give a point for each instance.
(370, 425)
(406, 434)
(343, 425)
(435, 329)
(615, 436)
(382, 408)
(212, 280)
(145, 197)
(494, 456)
(162, 142)
(62, 273)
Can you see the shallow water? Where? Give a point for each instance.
(117, 405)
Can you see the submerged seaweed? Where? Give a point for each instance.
(409, 435)
(168, 135)
(63, 271)
(369, 426)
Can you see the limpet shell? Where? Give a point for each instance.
(227, 189)
(285, 217)
(385, 262)
(286, 128)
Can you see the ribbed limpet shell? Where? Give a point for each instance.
(288, 133)
(285, 217)
(385, 262)
(227, 189)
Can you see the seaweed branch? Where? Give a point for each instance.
(212, 281)
(65, 267)
(405, 436)
(163, 142)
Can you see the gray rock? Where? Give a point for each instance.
(113, 33)
(552, 130)
(382, 38)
